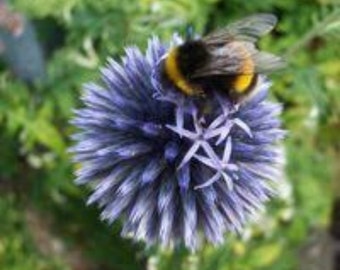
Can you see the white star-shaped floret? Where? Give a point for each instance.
(222, 166)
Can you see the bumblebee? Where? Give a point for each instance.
(226, 60)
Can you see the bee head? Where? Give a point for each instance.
(191, 56)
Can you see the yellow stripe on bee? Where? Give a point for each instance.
(174, 74)
(242, 82)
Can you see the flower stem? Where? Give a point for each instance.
(314, 32)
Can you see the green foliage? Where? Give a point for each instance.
(18, 250)
(40, 9)
(78, 38)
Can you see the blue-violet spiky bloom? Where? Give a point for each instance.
(172, 174)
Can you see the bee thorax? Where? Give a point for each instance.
(191, 56)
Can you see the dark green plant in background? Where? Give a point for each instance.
(45, 224)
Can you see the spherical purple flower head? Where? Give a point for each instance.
(172, 174)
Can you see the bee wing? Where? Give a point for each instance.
(266, 62)
(249, 29)
(238, 58)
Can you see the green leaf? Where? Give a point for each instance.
(40, 8)
(46, 134)
(265, 255)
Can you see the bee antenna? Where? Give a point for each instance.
(189, 32)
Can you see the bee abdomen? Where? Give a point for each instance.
(246, 77)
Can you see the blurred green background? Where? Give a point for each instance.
(49, 48)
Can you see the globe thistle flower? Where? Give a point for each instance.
(170, 173)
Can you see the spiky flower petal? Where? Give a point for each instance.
(172, 174)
